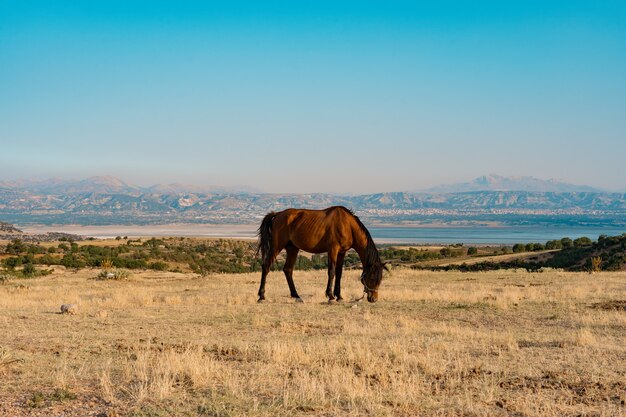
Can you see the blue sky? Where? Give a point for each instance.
(303, 96)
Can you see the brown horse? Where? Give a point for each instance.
(334, 230)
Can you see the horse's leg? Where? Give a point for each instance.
(265, 269)
(292, 255)
(332, 265)
(338, 272)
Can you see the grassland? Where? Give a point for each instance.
(502, 343)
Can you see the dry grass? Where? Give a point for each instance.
(500, 343)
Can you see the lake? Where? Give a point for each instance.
(487, 235)
(381, 234)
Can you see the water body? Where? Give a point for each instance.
(487, 235)
(382, 234)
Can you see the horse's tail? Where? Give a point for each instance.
(265, 237)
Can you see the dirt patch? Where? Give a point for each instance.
(580, 391)
(532, 344)
(619, 305)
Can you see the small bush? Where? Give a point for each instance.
(29, 270)
(115, 274)
(4, 278)
(596, 264)
(158, 266)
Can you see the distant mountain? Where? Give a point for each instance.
(99, 184)
(109, 200)
(109, 184)
(499, 183)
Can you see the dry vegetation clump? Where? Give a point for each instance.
(437, 343)
(115, 274)
(109, 272)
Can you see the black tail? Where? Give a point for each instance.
(265, 237)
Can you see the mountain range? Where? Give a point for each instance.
(112, 185)
(108, 184)
(495, 182)
(109, 200)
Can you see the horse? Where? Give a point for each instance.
(334, 230)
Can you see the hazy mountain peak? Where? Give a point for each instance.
(494, 182)
(106, 180)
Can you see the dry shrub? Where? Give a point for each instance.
(116, 274)
(596, 264)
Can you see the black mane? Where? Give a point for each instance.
(371, 253)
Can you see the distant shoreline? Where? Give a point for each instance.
(229, 231)
(383, 233)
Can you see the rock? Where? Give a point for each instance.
(69, 309)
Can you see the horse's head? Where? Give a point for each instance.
(370, 278)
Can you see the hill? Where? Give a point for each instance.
(608, 253)
(108, 200)
(609, 250)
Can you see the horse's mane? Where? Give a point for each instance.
(371, 253)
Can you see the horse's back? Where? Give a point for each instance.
(316, 230)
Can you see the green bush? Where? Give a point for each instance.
(158, 266)
(519, 247)
(29, 270)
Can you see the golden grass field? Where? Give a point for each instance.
(505, 343)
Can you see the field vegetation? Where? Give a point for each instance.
(503, 343)
(206, 256)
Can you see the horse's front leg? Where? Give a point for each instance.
(332, 265)
(338, 273)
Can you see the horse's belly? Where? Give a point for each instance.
(310, 245)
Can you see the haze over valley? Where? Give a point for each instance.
(485, 200)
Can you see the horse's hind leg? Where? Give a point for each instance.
(292, 255)
(265, 269)
(338, 272)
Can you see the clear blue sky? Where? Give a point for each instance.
(341, 96)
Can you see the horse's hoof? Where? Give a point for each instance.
(261, 300)
(339, 300)
(331, 301)
(299, 300)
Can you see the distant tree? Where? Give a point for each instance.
(519, 247)
(12, 262)
(472, 250)
(15, 247)
(567, 243)
(553, 244)
(582, 241)
(538, 246)
(303, 263)
(529, 247)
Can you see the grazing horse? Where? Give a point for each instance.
(334, 230)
